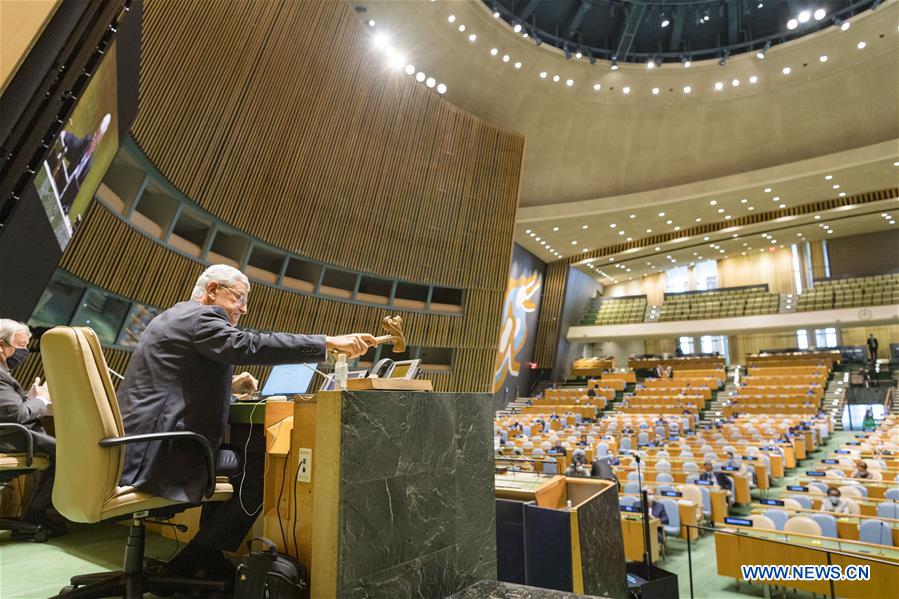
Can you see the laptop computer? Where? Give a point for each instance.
(288, 380)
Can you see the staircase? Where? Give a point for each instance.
(835, 399)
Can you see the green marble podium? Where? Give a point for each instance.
(399, 498)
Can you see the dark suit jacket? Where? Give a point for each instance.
(602, 469)
(16, 407)
(717, 478)
(179, 379)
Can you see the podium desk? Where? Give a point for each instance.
(632, 531)
(543, 542)
(384, 493)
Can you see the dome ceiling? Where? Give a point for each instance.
(670, 30)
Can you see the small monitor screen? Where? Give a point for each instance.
(814, 473)
(630, 508)
(703, 482)
(288, 379)
(777, 502)
(400, 370)
(799, 488)
(672, 494)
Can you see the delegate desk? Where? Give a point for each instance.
(736, 546)
(559, 533)
(847, 524)
(632, 533)
(867, 505)
(690, 515)
(741, 480)
(876, 489)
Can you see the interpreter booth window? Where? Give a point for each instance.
(706, 274)
(713, 344)
(826, 337)
(57, 304)
(677, 280)
(802, 339)
(103, 313)
(686, 344)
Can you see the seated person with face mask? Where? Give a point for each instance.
(26, 408)
(834, 503)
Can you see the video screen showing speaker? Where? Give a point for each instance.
(69, 177)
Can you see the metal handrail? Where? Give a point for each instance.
(828, 552)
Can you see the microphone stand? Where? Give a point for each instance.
(644, 504)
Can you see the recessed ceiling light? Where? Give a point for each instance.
(720, 210)
(569, 82)
(687, 89)
(517, 28)
(621, 232)
(842, 194)
(556, 78)
(753, 79)
(574, 243)
(661, 214)
(461, 28)
(735, 82)
(768, 190)
(828, 177)
(743, 201)
(713, 202)
(792, 24)
(845, 25)
(528, 231)
(786, 70)
(555, 228)
(657, 248)
(727, 217)
(820, 14)
(451, 18)
(719, 86)
(823, 58)
(633, 216)
(649, 230)
(517, 64)
(536, 238)
(597, 87)
(612, 225)
(751, 208)
(836, 186)
(506, 58)
(861, 45)
(782, 206)
(706, 238)
(584, 226)
(626, 90)
(699, 220)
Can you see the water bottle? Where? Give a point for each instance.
(341, 372)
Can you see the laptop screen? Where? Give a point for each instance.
(288, 379)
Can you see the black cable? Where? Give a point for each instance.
(280, 494)
(295, 518)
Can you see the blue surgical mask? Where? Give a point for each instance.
(17, 359)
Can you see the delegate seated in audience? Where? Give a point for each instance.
(716, 478)
(180, 378)
(26, 408)
(659, 372)
(861, 470)
(731, 462)
(558, 449)
(583, 442)
(656, 510)
(834, 503)
(591, 392)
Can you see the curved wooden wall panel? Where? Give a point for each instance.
(111, 254)
(280, 119)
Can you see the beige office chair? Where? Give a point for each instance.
(89, 458)
(13, 465)
(804, 525)
(762, 522)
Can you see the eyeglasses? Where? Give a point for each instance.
(240, 297)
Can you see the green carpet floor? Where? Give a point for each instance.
(38, 570)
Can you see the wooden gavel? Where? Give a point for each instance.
(396, 337)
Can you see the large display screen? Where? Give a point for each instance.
(84, 149)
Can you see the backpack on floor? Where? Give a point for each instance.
(270, 575)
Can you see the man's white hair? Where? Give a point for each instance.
(9, 328)
(218, 273)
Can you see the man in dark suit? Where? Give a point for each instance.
(872, 347)
(716, 478)
(27, 409)
(180, 379)
(601, 468)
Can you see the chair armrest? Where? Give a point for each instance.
(23, 430)
(208, 451)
